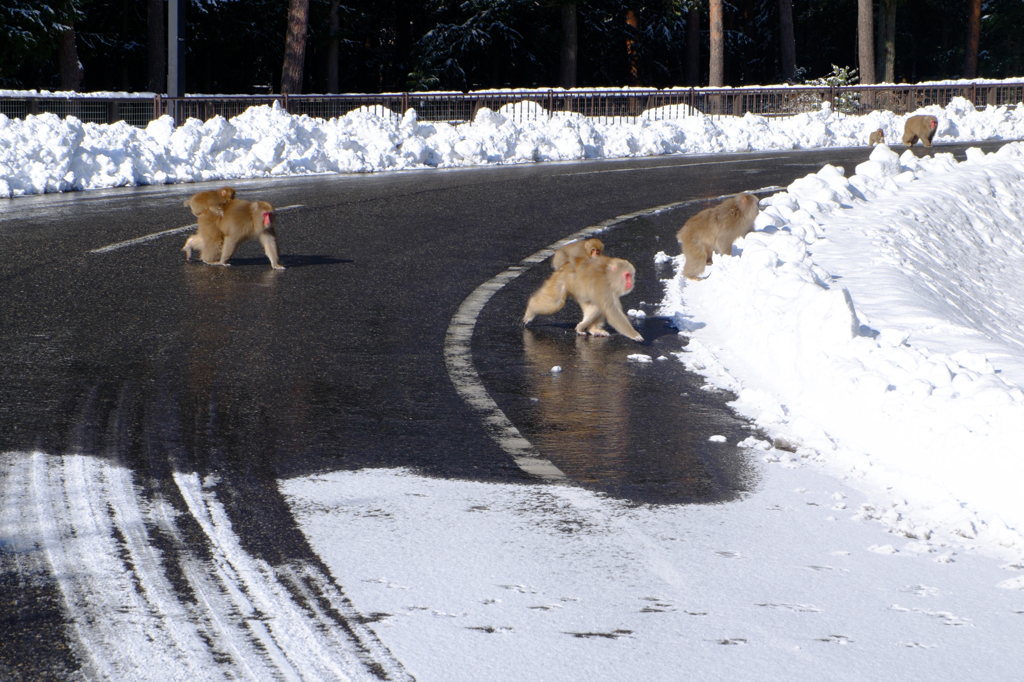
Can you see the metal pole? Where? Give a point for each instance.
(176, 25)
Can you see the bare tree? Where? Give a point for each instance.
(69, 69)
(570, 47)
(973, 38)
(295, 47)
(787, 40)
(716, 72)
(865, 44)
(157, 45)
(333, 47)
(693, 46)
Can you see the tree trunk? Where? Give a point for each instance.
(886, 66)
(716, 72)
(865, 44)
(570, 46)
(693, 47)
(787, 40)
(295, 47)
(69, 71)
(973, 37)
(634, 67)
(157, 46)
(332, 48)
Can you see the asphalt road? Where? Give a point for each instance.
(134, 356)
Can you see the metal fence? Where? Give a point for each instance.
(667, 104)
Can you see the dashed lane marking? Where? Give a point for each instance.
(157, 235)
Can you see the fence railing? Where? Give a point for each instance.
(667, 104)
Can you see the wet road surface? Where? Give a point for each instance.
(245, 375)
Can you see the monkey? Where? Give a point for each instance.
(211, 200)
(242, 220)
(578, 249)
(715, 229)
(877, 137)
(596, 284)
(919, 127)
(193, 242)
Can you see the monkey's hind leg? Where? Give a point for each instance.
(697, 258)
(547, 300)
(270, 248)
(592, 322)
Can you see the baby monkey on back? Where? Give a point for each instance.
(595, 281)
(225, 222)
(714, 230)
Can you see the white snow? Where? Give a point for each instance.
(872, 327)
(875, 322)
(45, 153)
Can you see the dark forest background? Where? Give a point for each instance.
(237, 46)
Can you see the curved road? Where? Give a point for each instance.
(152, 404)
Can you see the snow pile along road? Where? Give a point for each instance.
(47, 154)
(874, 324)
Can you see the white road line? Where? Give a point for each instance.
(157, 235)
(458, 355)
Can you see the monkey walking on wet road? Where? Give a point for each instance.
(226, 222)
(596, 284)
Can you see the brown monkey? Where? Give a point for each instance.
(242, 220)
(596, 284)
(919, 127)
(715, 229)
(193, 242)
(877, 137)
(579, 249)
(212, 200)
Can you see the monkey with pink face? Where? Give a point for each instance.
(919, 127)
(596, 284)
(588, 248)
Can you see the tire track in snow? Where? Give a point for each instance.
(83, 521)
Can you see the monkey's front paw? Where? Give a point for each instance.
(598, 332)
(637, 338)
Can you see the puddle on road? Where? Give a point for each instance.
(635, 430)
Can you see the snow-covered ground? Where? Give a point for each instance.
(48, 154)
(872, 327)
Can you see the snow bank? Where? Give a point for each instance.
(45, 153)
(935, 251)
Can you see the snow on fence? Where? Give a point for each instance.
(621, 103)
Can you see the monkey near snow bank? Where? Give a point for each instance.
(589, 248)
(714, 230)
(922, 127)
(596, 284)
(242, 220)
(877, 137)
